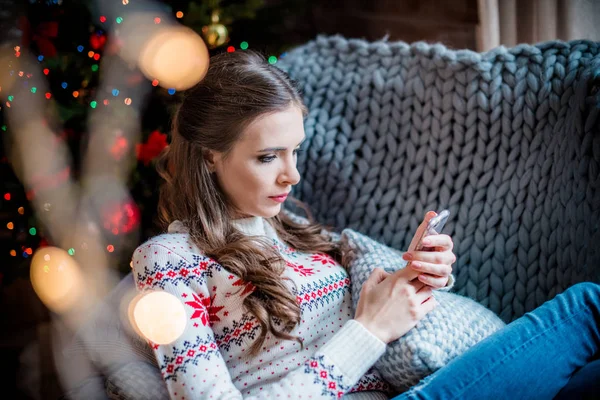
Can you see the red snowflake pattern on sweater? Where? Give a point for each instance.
(300, 269)
(204, 309)
(324, 259)
(248, 287)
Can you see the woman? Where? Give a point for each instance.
(268, 302)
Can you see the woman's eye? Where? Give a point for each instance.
(266, 159)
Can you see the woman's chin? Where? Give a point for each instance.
(271, 211)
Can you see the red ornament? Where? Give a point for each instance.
(97, 41)
(146, 152)
(120, 218)
(42, 35)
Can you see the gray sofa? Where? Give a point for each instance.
(507, 140)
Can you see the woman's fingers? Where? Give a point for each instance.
(439, 270)
(376, 276)
(443, 241)
(433, 257)
(436, 282)
(424, 293)
(421, 229)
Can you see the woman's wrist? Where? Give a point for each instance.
(368, 325)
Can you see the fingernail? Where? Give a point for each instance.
(426, 241)
(407, 256)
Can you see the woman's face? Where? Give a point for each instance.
(260, 170)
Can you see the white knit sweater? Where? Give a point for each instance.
(208, 360)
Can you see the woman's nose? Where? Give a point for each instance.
(290, 175)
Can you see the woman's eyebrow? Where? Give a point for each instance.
(276, 149)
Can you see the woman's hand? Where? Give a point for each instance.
(434, 262)
(391, 304)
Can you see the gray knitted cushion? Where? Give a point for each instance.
(507, 140)
(136, 381)
(448, 331)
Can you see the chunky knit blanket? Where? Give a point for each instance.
(507, 140)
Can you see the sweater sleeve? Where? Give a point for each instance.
(193, 367)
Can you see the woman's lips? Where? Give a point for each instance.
(279, 199)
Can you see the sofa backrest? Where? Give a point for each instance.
(507, 140)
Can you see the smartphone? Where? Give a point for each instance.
(434, 227)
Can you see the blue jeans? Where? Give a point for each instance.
(584, 384)
(533, 357)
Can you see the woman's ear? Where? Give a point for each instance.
(211, 159)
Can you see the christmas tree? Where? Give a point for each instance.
(70, 40)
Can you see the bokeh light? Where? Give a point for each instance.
(157, 316)
(176, 56)
(56, 278)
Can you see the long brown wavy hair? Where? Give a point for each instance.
(238, 88)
